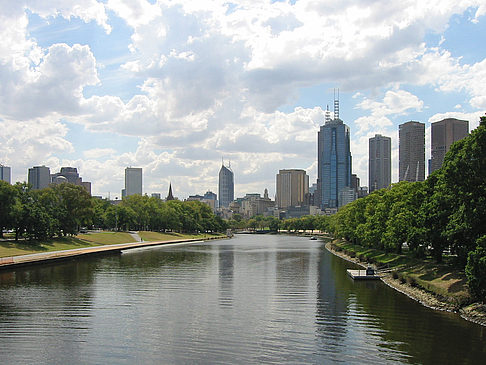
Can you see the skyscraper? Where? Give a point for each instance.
(444, 134)
(5, 173)
(333, 160)
(226, 189)
(379, 165)
(133, 181)
(411, 151)
(39, 177)
(292, 188)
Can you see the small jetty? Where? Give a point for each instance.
(368, 274)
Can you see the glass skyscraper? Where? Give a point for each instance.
(333, 162)
(226, 186)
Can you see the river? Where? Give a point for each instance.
(253, 299)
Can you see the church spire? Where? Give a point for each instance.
(170, 196)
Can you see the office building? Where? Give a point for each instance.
(379, 164)
(444, 134)
(226, 188)
(292, 188)
(411, 151)
(333, 160)
(210, 195)
(39, 177)
(70, 175)
(254, 204)
(5, 173)
(133, 181)
(347, 195)
(355, 182)
(87, 186)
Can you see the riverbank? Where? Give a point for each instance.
(93, 246)
(403, 279)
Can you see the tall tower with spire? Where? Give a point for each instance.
(333, 159)
(226, 188)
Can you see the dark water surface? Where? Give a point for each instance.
(252, 299)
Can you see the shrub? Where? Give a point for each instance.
(411, 281)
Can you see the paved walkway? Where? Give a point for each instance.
(135, 236)
(9, 262)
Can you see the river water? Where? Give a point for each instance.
(249, 300)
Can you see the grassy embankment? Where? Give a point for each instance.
(443, 280)
(12, 248)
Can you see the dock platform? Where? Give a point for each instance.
(361, 275)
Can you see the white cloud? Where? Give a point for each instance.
(97, 153)
(395, 102)
(211, 77)
(86, 10)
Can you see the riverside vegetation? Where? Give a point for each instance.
(51, 218)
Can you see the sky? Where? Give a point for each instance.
(178, 86)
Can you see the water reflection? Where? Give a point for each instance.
(252, 299)
(226, 261)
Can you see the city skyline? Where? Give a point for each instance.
(172, 86)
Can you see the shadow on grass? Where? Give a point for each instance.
(23, 245)
(41, 246)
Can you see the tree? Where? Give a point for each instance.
(462, 183)
(476, 270)
(100, 206)
(75, 207)
(7, 202)
(139, 204)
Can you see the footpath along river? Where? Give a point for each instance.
(252, 299)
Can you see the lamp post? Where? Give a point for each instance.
(116, 214)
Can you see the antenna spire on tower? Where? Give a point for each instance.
(327, 115)
(336, 104)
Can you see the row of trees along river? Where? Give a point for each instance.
(61, 210)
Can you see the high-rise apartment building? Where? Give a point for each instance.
(444, 134)
(379, 164)
(411, 151)
(5, 173)
(226, 188)
(39, 177)
(292, 188)
(133, 181)
(333, 160)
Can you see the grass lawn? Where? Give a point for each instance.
(167, 236)
(11, 248)
(106, 238)
(443, 279)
